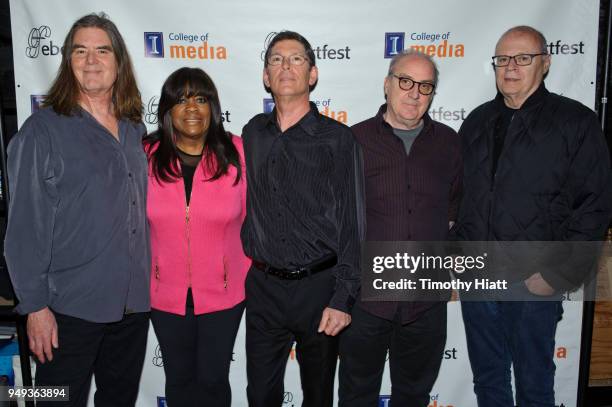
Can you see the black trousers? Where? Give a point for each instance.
(113, 352)
(415, 356)
(197, 351)
(277, 313)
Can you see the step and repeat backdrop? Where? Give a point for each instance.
(353, 42)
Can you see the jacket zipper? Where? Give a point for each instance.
(224, 274)
(188, 235)
(156, 276)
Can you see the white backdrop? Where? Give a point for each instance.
(352, 40)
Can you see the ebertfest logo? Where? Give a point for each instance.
(322, 52)
(443, 114)
(150, 116)
(564, 48)
(151, 111)
(288, 399)
(37, 43)
(157, 358)
(450, 353)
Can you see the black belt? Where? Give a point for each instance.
(298, 273)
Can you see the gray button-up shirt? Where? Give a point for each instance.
(77, 239)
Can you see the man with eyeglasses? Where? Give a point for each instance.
(303, 231)
(536, 168)
(412, 167)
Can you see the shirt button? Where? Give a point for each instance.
(133, 231)
(130, 174)
(133, 202)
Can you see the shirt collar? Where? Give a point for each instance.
(534, 99)
(382, 125)
(309, 122)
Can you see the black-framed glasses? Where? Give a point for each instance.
(294, 59)
(405, 83)
(520, 59)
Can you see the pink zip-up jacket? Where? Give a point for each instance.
(198, 246)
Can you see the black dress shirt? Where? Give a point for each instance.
(305, 197)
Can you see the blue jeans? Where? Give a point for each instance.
(521, 333)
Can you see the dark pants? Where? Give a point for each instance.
(277, 313)
(113, 352)
(415, 354)
(512, 332)
(197, 351)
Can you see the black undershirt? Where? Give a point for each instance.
(501, 129)
(189, 163)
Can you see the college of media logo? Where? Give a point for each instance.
(561, 352)
(154, 44)
(37, 43)
(322, 52)
(324, 106)
(161, 401)
(385, 401)
(36, 102)
(268, 105)
(435, 44)
(182, 46)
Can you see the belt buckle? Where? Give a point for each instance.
(295, 274)
(302, 272)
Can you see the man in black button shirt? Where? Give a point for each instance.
(536, 168)
(303, 229)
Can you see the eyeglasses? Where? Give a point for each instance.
(295, 59)
(520, 59)
(425, 88)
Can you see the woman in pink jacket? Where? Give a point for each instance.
(195, 206)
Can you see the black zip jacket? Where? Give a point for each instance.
(552, 181)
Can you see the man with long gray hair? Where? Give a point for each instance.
(77, 244)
